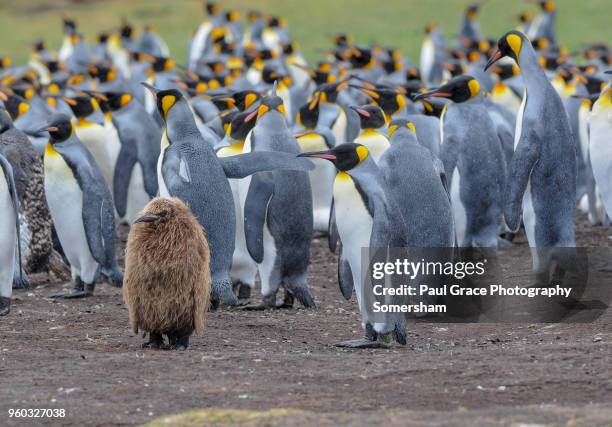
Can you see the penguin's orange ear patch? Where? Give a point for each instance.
(362, 153)
(167, 102)
(249, 100)
(515, 44)
(474, 87)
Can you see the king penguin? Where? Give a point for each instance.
(367, 217)
(474, 162)
(600, 149)
(373, 134)
(81, 207)
(9, 230)
(278, 211)
(542, 175)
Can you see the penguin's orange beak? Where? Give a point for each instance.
(360, 111)
(496, 57)
(433, 94)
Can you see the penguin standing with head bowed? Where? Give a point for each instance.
(542, 176)
(474, 162)
(278, 211)
(366, 217)
(9, 232)
(82, 208)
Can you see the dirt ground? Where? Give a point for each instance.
(81, 356)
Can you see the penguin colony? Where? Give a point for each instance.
(364, 147)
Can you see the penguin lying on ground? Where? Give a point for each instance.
(81, 207)
(542, 175)
(367, 216)
(9, 230)
(167, 274)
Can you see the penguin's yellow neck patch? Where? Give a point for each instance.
(167, 102)
(82, 122)
(50, 151)
(343, 176)
(499, 89)
(362, 153)
(605, 100)
(369, 133)
(515, 44)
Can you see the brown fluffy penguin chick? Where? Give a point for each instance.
(167, 274)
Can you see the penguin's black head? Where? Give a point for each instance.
(82, 105)
(116, 100)
(104, 73)
(59, 127)
(240, 125)
(459, 89)
(212, 8)
(329, 92)
(434, 106)
(525, 17)
(455, 68)
(126, 30)
(5, 62)
(413, 73)
(472, 11)
(308, 115)
(161, 64)
(505, 71)
(16, 106)
(269, 75)
(399, 125)
(370, 116)
(344, 157)
(388, 99)
(166, 99)
(242, 100)
(547, 6)
(509, 45)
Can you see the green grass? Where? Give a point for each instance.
(397, 23)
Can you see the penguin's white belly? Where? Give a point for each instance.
(198, 43)
(321, 181)
(519, 120)
(113, 144)
(149, 99)
(459, 215)
(375, 142)
(8, 237)
(339, 127)
(583, 130)
(137, 197)
(427, 58)
(284, 94)
(94, 138)
(299, 76)
(506, 98)
(600, 150)
(163, 189)
(354, 224)
(65, 200)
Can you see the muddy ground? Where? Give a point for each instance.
(81, 356)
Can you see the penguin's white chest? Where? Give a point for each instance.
(65, 199)
(8, 237)
(321, 180)
(339, 127)
(354, 224)
(94, 137)
(427, 57)
(519, 120)
(600, 151)
(163, 189)
(113, 144)
(374, 141)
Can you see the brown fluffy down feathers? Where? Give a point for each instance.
(167, 273)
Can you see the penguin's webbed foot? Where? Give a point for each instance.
(362, 343)
(300, 292)
(80, 290)
(243, 292)
(5, 306)
(156, 341)
(222, 293)
(267, 303)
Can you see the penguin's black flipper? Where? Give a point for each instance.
(243, 165)
(121, 179)
(10, 180)
(255, 209)
(332, 230)
(345, 277)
